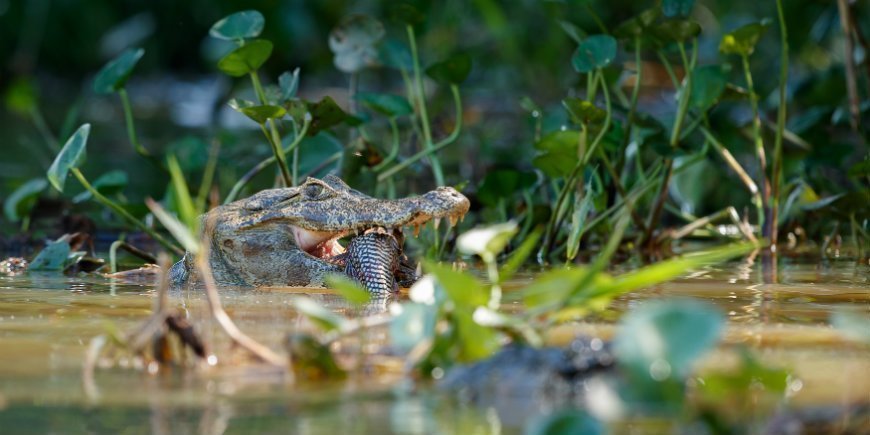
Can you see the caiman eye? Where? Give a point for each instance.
(313, 190)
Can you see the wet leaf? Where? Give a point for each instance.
(596, 51)
(72, 155)
(317, 314)
(353, 43)
(289, 84)
(708, 84)
(240, 25)
(557, 153)
(502, 184)
(114, 74)
(677, 30)
(565, 422)
(19, 203)
(414, 323)
(53, 257)
(386, 104)
(487, 241)
(454, 70)
(583, 112)
(110, 183)
(662, 339)
(461, 288)
(348, 289)
(325, 114)
(743, 40)
(677, 8)
(259, 114)
(246, 59)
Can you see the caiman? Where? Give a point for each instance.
(290, 236)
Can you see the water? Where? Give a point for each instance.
(47, 323)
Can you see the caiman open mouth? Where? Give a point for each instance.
(324, 244)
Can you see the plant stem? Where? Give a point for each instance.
(124, 213)
(394, 149)
(207, 177)
(272, 135)
(759, 147)
(421, 107)
(131, 127)
(780, 127)
(44, 131)
(632, 107)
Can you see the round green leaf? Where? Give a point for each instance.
(353, 42)
(240, 25)
(583, 112)
(325, 114)
(743, 40)
(708, 83)
(19, 203)
(596, 51)
(72, 155)
(677, 8)
(558, 153)
(663, 338)
(677, 30)
(246, 59)
(114, 74)
(385, 104)
(258, 113)
(454, 70)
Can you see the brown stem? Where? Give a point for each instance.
(851, 82)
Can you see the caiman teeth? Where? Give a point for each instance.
(452, 218)
(436, 223)
(416, 230)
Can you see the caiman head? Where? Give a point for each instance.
(289, 236)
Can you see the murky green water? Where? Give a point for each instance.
(47, 322)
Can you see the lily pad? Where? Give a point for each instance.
(743, 40)
(596, 51)
(353, 43)
(246, 59)
(240, 25)
(386, 104)
(19, 203)
(453, 70)
(114, 74)
(72, 155)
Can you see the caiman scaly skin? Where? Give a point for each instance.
(289, 236)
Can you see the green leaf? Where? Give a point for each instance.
(72, 155)
(240, 25)
(395, 54)
(462, 288)
(708, 84)
(566, 422)
(743, 40)
(353, 43)
(637, 25)
(414, 324)
(475, 342)
(677, 30)
(520, 255)
(487, 241)
(19, 203)
(386, 104)
(677, 8)
(184, 203)
(594, 52)
(501, 184)
(325, 114)
(552, 286)
(258, 114)
(348, 288)
(178, 230)
(317, 314)
(576, 33)
(114, 74)
(583, 112)
(246, 59)
(22, 96)
(289, 84)
(454, 70)
(582, 207)
(53, 257)
(557, 153)
(110, 183)
(662, 339)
